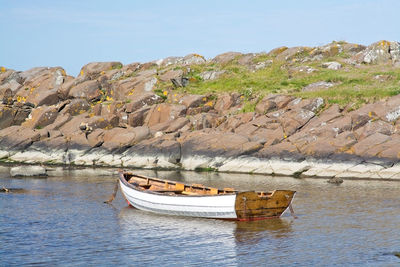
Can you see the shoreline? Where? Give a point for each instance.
(346, 168)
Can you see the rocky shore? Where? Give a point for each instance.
(140, 115)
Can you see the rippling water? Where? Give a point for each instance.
(62, 220)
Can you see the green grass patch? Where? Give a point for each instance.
(352, 84)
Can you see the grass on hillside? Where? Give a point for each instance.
(353, 85)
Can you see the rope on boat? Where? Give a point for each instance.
(113, 194)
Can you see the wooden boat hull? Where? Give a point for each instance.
(232, 206)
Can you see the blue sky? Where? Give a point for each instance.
(72, 33)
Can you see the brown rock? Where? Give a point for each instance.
(378, 52)
(193, 59)
(353, 48)
(76, 106)
(42, 88)
(192, 101)
(235, 121)
(137, 118)
(41, 117)
(390, 149)
(292, 120)
(344, 141)
(96, 138)
(374, 127)
(322, 147)
(226, 57)
(215, 143)
(177, 124)
(89, 90)
(276, 51)
(111, 109)
(317, 86)
(204, 120)
(95, 69)
(164, 112)
(10, 85)
(78, 140)
(59, 122)
(358, 120)
(265, 106)
(342, 124)
(281, 100)
(17, 138)
(132, 67)
(281, 149)
(226, 101)
(171, 74)
(324, 118)
(362, 147)
(246, 59)
(7, 116)
(70, 82)
(293, 53)
(146, 99)
(123, 138)
(131, 88)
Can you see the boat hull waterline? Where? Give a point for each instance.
(173, 198)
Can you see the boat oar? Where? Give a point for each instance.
(113, 194)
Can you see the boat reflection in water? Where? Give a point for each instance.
(193, 240)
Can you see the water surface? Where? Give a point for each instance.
(62, 220)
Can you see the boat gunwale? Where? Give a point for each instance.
(137, 188)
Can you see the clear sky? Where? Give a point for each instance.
(72, 33)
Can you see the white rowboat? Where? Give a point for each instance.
(174, 198)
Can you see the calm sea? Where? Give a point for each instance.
(61, 220)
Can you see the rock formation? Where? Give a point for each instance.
(141, 115)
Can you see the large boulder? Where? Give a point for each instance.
(265, 105)
(294, 119)
(138, 117)
(226, 101)
(211, 75)
(10, 82)
(132, 87)
(317, 86)
(76, 106)
(95, 69)
(204, 120)
(379, 52)
(117, 138)
(374, 140)
(142, 100)
(332, 65)
(28, 171)
(14, 115)
(192, 101)
(164, 112)
(193, 59)
(41, 89)
(89, 90)
(293, 53)
(16, 138)
(164, 152)
(212, 144)
(41, 117)
(226, 57)
(235, 121)
(170, 74)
